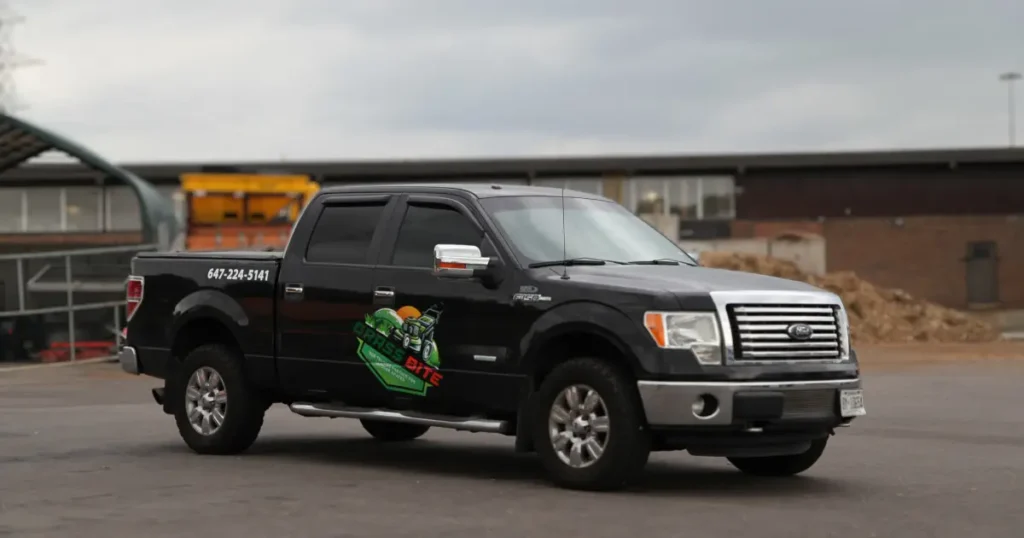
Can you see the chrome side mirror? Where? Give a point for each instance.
(458, 261)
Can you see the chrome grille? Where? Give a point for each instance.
(760, 332)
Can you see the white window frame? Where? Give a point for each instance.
(666, 192)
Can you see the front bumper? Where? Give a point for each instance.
(735, 403)
(129, 360)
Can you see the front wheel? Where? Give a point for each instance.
(393, 431)
(588, 426)
(788, 465)
(217, 411)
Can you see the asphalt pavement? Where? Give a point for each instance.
(84, 451)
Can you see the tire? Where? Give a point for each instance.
(242, 411)
(626, 441)
(393, 431)
(777, 466)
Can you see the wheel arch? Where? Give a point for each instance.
(563, 336)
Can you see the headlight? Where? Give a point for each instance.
(844, 335)
(695, 331)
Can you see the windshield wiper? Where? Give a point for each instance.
(574, 261)
(660, 261)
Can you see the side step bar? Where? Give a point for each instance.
(409, 417)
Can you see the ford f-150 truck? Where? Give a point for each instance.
(557, 317)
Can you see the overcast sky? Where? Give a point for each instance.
(158, 80)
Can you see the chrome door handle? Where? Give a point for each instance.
(293, 288)
(383, 293)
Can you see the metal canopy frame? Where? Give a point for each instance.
(21, 141)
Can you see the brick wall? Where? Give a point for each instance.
(925, 255)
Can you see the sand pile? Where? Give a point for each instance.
(877, 315)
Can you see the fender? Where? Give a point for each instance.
(585, 317)
(205, 303)
(209, 303)
(591, 318)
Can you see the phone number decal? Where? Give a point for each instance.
(221, 273)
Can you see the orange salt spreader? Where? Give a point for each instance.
(239, 211)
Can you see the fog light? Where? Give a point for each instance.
(705, 406)
(698, 406)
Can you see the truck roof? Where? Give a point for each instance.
(479, 190)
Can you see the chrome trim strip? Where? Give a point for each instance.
(668, 403)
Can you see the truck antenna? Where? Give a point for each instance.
(565, 265)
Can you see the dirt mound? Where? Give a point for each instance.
(877, 315)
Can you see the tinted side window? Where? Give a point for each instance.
(427, 225)
(343, 233)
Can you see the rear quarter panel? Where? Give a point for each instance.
(235, 292)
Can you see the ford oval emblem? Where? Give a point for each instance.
(800, 331)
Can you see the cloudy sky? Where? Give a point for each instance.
(158, 80)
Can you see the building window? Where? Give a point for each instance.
(70, 209)
(82, 209)
(690, 198)
(684, 198)
(45, 211)
(649, 196)
(122, 210)
(588, 185)
(718, 198)
(11, 211)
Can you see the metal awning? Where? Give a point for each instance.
(21, 141)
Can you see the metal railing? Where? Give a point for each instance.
(42, 263)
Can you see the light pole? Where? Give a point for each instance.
(1011, 78)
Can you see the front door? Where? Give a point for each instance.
(982, 276)
(456, 335)
(325, 291)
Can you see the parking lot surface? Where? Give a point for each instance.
(84, 451)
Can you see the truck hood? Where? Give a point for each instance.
(682, 279)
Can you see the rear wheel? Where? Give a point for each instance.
(218, 412)
(393, 431)
(588, 428)
(788, 465)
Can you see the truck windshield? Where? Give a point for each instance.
(595, 229)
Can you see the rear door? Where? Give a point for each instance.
(324, 291)
(457, 335)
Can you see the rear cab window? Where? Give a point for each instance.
(344, 232)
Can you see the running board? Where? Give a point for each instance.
(482, 425)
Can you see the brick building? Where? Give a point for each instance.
(942, 224)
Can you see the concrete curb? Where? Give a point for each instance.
(57, 364)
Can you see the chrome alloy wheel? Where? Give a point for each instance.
(578, 426)
(206, 400)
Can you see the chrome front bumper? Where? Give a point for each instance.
(129, 360)
(670, 403)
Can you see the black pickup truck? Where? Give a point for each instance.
(557, 317)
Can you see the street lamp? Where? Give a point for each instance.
(1011, 78)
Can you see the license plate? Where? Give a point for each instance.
(851, 403)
